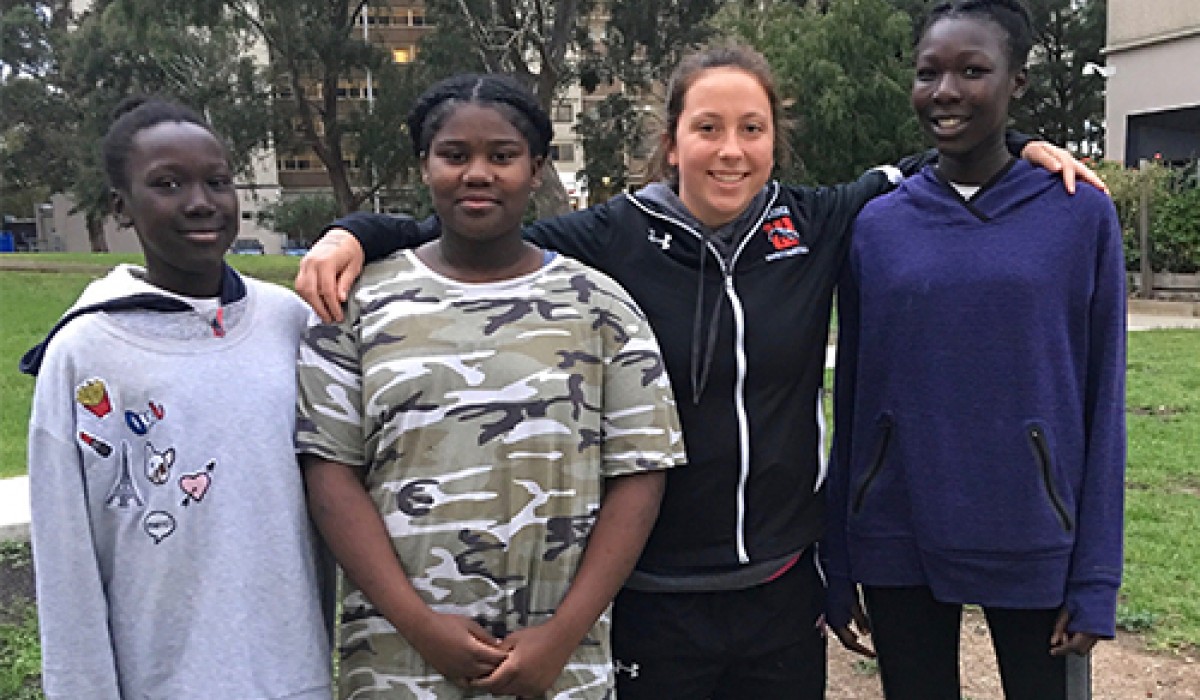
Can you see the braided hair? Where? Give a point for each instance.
(1010, 15)
(131, 116)
(500, 92)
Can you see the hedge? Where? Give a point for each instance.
(1174, 213)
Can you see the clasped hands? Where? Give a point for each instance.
(525, 663)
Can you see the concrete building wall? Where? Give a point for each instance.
(1137, 20)
(1152, 103)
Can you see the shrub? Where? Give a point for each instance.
(1174, 213)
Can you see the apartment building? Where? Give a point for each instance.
(1152, 105)
(395, 25)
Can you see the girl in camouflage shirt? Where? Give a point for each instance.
(484, 434)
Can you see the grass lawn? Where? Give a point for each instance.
(1161, 595)
(1163, 487)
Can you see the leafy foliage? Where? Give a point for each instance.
(847, 66)
(314, 49)
(1062, 104)
(1173, 197)
(302, 219)
(62, 87)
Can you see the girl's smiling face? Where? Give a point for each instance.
(182, 203)
(723, 145)
(961, 92)
(480, 173)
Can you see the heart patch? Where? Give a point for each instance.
(195, 486)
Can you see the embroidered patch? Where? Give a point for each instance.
(124, 491)
(158, 464)
(99, 446)
(141, 423)
(92, 394)
(159, 524)
(195, 486)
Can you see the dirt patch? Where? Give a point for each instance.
(1121, 670)
(1159, 411)
(16, 578)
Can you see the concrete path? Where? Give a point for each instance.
(14, 508)
(1143, 315)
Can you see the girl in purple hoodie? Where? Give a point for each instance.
(980, 439)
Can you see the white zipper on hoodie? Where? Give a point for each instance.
(739, 349)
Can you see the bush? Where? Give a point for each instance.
(1176, 232)
(1174, 214)
(302, 219)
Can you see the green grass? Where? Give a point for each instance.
(1162, 509)
(20, 656)
(32, 302)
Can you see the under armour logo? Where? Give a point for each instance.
(631, 669)
(663, 242)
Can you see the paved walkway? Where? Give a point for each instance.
(1143, 315)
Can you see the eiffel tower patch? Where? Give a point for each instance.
(124, 493)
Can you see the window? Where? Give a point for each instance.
(564, 111)
(291, 164)
(562, 152)
(404, 55)
(416, 18)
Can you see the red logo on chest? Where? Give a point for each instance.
(782, 233)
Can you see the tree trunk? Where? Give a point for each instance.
(551, 198)
(96, 238)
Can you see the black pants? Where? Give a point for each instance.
(917, 640)
(763, 642)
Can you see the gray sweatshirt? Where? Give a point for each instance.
(173, 550)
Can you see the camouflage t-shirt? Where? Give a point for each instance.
(486, 417)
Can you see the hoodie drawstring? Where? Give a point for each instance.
(218, 322)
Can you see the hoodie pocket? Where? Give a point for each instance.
(1041, 455)
(876, 464)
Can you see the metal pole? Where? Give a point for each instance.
(1079, 677)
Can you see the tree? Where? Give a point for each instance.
(642, 43)
(302, 219)
(548, 45)
(34, 119)
(845, 67)
(1062, 104)
(315, 53)
(63, 82)
(605, 132)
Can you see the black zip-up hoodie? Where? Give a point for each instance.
(750, 497)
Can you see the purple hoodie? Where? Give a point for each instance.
(980, 408)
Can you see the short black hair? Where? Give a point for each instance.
(1010, 15)
(500, 91)
(131, 116)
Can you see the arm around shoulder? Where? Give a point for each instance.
(331, 267)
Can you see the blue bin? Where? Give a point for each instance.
(7, 245)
